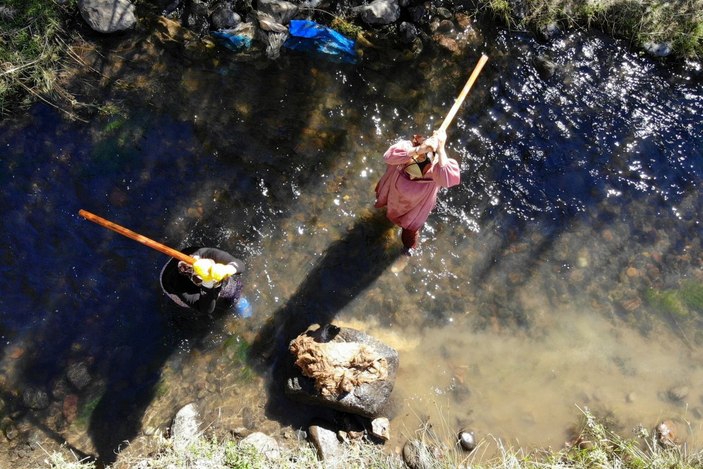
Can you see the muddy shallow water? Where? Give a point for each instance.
(563, 273)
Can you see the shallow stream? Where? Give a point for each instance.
(564, 272)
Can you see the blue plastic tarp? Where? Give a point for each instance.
(233, 41)
(308, 36)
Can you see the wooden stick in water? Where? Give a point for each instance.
(464, 92)
(137, 237)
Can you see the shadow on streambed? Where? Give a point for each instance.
(347, 268)
(132, 382)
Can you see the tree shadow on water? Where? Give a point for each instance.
(347, 268)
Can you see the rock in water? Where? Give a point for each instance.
(342, 368)
(325, 442)
(379, 12)
(108, 16)
(185, 427)
(380, 427)
(467, 440)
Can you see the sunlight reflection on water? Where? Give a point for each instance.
(531, 294)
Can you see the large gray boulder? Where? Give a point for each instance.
(108, 16)
(367, 397)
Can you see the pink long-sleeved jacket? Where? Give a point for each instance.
(409, 202)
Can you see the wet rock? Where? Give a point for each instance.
(448, 43)
(407, 32)
(60, 389)
(108, 16)
(197, 18)
(459, 390)
(10, 430)
(545, 67)
(418, 14)
(16, 352)
(678, 393)
(463, 21)
(185, 427)
(78, 375)
(381, 428)
(281, 11)
(379, 12)
(70, 407)
(223, 17)
(467, 440)
(443, 13)
(549, 31)
(668, 434)
(368, 398)
(325, 441)
(658, 49)
(240, 432)
(35, 399)
(445, 26)
(265, 445)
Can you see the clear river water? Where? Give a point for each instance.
(563, 273)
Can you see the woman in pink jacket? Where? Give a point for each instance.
(415, 170)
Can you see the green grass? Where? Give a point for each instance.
(596, 446)
(30, 51)
(679, 23)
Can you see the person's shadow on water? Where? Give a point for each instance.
(132, 377)
(346, 269)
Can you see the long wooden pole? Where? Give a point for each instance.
(464, 92)
(137, 237)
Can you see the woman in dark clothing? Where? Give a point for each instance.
(204, 293)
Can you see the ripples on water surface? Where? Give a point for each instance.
(563, 272)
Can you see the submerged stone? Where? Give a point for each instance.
(78, 375)
(35, 399)
(186, 426)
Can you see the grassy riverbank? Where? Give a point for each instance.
(31, 51)
(595, 446)
(32, 48)
(644, 23)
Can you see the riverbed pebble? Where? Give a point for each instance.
(325, 442)
(467, 440)
(264, 444)
(678, 393)
(380, 427)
